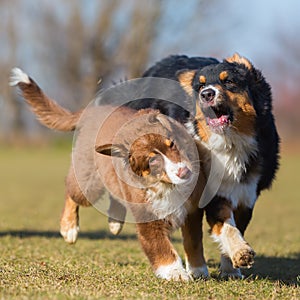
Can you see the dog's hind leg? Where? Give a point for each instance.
(69, 222)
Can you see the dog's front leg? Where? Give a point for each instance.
(236, 252)
(155, 241)
(193, 245)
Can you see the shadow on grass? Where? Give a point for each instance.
(285, 270)
(91, 235)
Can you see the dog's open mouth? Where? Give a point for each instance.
(218, 117)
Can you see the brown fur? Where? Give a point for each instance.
(202, 79)
(89, 173)
(236, 58)
(48, 112)
(244, 114)
(223, 75)
(186, 79)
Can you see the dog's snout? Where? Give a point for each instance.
(208, 95)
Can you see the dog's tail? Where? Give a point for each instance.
(48, 112)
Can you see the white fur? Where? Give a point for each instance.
(70, 236)
(240, 193)
(115, 227)
(227, 270)
(197, 272)
(231, 240)
(232, 151)
(167, 203)
(172, 170)
(173, 271)
(191, 130)
(225, 240)
(17, 76)
(214, 89)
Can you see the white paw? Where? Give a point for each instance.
(17, 76)
(227, 269)
(235, 274)
(115, 227)
(174, 271)
(197, 272)
(70, 235)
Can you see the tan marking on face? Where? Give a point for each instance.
(223, 75)
(236, 58)
(202, 79)
(151, 154)
(202, 128)
(244, 113)
(168, 142)
(145, 173)
(186, 79)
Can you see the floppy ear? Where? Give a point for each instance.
(164, 121)
(116, 150)
(236, 58)
(185, 78)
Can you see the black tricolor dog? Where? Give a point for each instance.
(233, 119)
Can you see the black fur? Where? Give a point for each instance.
(241, 77)
(259, 90)
(167, 68)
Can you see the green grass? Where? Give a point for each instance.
(35, 262)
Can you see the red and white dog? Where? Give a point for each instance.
(152, 173)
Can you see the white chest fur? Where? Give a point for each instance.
(231, 153)
(167, 203)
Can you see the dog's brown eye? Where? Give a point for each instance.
(201, 86)
(228, 81)
(154, 161)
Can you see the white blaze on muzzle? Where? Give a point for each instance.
(178, 173)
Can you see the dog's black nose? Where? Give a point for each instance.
(208, 95)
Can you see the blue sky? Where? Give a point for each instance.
(247, 27)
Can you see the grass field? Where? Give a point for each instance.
(35, 262)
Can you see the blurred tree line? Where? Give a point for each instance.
(81, 52)
(69, 47)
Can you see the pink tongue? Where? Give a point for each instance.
(223, 120)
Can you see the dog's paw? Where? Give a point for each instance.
(70, 235)
(115, 226)
(234, 274)
(197, 272)
(227, 271)
(174, 271)
(244, 258)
